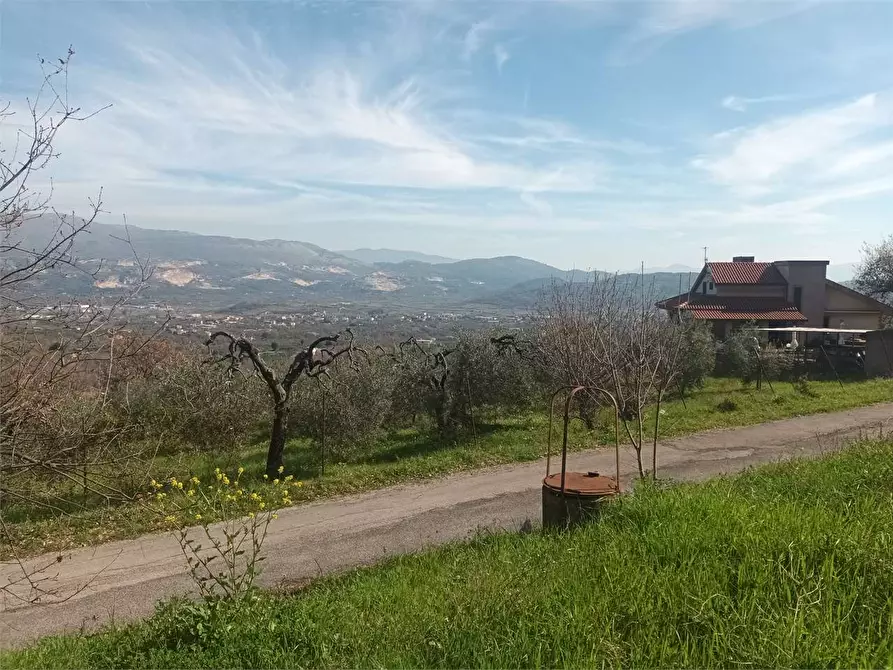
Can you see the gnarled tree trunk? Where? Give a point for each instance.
(277, 440)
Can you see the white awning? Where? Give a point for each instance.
(805, 329)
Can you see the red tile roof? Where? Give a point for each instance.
(716, 308)
(745, 273)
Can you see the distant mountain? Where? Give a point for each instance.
(669, 268)
(392, 256)
(211, 268)
(524, 295)
(215, 270)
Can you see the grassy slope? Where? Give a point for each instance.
(412, 455)
(789, 565)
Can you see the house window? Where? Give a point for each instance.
(826, 322)
(711, 286)
(798, 296)
(704, 288)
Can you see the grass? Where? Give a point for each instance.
(410, 455)
(785, 566)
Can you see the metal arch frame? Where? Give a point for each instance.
(573, 390)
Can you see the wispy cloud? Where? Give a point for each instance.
(748, 158)
(474, 38)
(660, 22)
(739, 103)
(501, 54)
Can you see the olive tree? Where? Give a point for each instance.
(874, 274)
(307, 363)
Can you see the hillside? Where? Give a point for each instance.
(524, 295)
(372, 256)
(224, 270)
(218, 270)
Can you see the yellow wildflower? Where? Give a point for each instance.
(241, 469)
(195, 480)
(159, 496)
(198, 517)
(275, 482)
(226, 480)
(281, 469)
(262, 505)
(190, 492)
(251, 515)
(170, 518)
(288, 478)
(275, 516)
(266, 477)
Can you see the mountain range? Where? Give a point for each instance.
(218, 270)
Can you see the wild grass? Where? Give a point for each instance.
(412, 454)
(786, 566)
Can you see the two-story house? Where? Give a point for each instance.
(778, 294)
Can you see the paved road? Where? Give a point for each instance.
(126, 578)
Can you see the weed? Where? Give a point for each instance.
(727, 405)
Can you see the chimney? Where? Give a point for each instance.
(743, 259)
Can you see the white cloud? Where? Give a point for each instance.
(749, 158)
(738, 103)
(234, 108)
(860, 159)
(501, 54)
(474, 38)
(665, 20)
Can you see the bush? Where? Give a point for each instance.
(736, 356)
(202, 405)
(351, 404)
(698, 357)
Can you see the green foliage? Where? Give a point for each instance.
(410, 454)
(698, 357)
(351, 406)
(737, 356)
(784, 566)
(727, 405)
(874, 276)
(202, 405)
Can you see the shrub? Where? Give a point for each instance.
(204, 406)
(698, 357)
(737, 356)
(727, 405)
(351, 405)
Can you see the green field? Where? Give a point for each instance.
(788, 565)
(406, 455)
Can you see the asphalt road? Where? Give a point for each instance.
(122, 581)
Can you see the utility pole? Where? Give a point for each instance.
(705, 255)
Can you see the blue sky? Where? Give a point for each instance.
(582, 134)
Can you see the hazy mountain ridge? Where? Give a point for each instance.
(372, 256)
(199, 269)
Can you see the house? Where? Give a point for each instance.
(777, 294)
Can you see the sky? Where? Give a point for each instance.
(581, 134)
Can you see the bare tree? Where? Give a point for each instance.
(603, 333)
(310, 362)
(51, 353)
